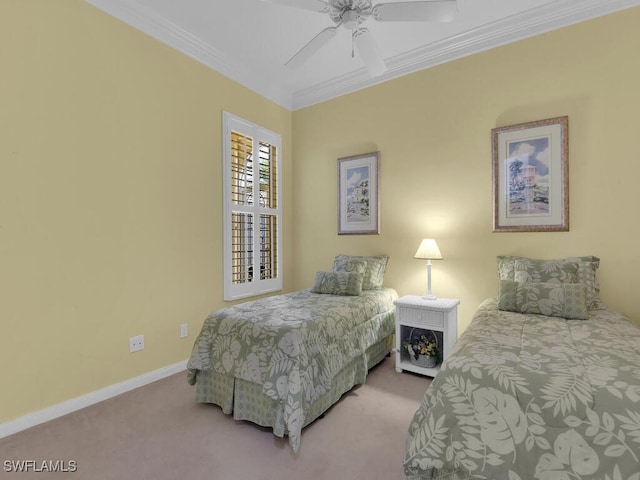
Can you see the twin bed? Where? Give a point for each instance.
(282, 361)
(543, 384)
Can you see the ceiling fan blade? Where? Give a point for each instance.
(368, 50)
(312, 47)
(426, 11)
(313, 5)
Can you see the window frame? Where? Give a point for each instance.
(256, 285)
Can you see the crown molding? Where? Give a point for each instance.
(554, 15)
(167, 32)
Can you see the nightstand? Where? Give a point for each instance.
(438, 319)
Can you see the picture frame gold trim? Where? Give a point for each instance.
(358, 194)
(530, 171)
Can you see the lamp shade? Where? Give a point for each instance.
(428, 250)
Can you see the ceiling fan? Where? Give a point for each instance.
(350, 14)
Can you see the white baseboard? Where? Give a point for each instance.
(60, 409)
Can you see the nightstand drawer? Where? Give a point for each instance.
(424, 317)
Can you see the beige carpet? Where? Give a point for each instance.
(159, 432)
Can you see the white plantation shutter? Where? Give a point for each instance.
(252, 159)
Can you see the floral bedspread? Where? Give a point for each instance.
(533, 397)
(292, 344)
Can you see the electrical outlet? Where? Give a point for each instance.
(184, 330)
(136, 343)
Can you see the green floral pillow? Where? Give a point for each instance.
(566, 300)
(353, 265)
(373, 274)
(544, 271)
(505, 266)
(586, 274)
(338, 283)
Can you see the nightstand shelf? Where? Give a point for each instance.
(415, 314)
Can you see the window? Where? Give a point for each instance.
(252, 209)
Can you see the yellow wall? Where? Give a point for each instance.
(110, 190)
(110, 199)
(433, 131)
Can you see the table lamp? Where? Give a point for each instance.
(428, 250)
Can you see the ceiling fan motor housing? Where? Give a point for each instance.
(350, 13)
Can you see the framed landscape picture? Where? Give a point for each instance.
(358, 200)
(531, 176)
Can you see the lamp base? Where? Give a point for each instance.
(429, 295)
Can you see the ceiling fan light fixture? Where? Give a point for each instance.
(368, 51)
(350, 19)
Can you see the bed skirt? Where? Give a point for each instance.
(246, 400)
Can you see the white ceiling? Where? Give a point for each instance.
(250, 40)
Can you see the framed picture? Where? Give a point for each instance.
(531, 176)
(358, 200)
